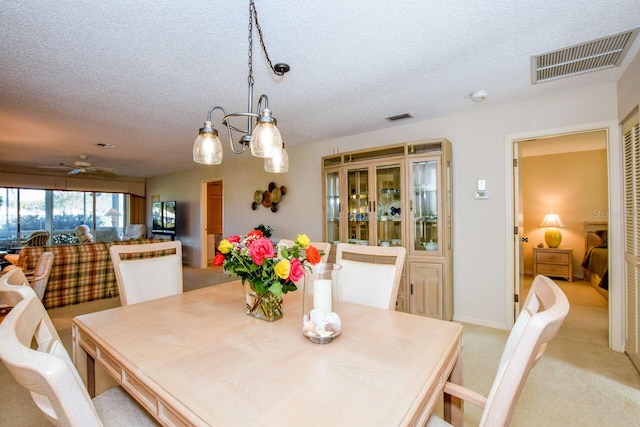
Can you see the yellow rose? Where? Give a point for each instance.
(225, 246)
(303, 240)
(282, 269)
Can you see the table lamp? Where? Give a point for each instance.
(552, 236)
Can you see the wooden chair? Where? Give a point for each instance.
(39, 276)
(370, 275)
(323, 247)
(37, 238)
(543, 312)
(143, 278)
(47, 372)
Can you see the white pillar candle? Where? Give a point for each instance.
(322, 295)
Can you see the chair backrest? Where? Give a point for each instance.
(46, 370)
(37, 238)
(141, 277)
(370, 275)
(14, 287)
(84, 234)
(41, 274)
(135, 231)
(323, 247)
(543, 312)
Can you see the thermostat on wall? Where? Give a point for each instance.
(481, 195)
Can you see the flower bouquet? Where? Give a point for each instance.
(253, 258)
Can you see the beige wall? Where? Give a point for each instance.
(574, 185)
(478, 140)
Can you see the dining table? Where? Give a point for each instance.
(197, 359)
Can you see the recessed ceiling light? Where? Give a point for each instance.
(479, 95)
(103, 145)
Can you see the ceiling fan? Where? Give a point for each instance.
(82, 166)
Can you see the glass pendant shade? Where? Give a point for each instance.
(278, 163)
(207, 149)
(266, 140)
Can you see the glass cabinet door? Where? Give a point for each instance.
(388, 205)
(332, 207)
(358, 206)
(425, 205)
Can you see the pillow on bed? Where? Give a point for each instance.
(603, 236)
(593, 240)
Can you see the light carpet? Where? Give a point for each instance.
(578, 382)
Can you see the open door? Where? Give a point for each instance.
(518, 239)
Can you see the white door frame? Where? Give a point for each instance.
(203, 217)
(616, 221)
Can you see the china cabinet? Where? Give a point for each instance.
(398, 195)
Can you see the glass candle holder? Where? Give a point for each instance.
(321, 322)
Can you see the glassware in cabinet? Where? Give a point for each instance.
(332, 206)
(425, 205)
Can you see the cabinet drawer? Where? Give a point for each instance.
(553, 270)
(553, 257)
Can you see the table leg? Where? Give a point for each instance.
(84, 363)
(454, 406)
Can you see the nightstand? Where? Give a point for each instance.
(553, 262)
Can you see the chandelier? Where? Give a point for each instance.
(263, 138)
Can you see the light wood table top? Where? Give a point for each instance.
(198, 359)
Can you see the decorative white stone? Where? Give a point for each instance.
(317, 324)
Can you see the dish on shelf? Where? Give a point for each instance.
(394, 210)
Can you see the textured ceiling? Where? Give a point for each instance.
(142, 75)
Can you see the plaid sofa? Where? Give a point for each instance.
(80, 272)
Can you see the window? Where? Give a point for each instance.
(23, 211)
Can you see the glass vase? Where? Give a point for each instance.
(321, 321)
(263, 306)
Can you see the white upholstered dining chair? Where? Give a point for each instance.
(47, 372)
(323, 247)
(14, 287)
(542, 314)
(370, 275)
(145, 278)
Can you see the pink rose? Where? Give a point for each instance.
(296, 270)
(234, 239)
(260, 249)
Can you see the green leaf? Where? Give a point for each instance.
(276, 289)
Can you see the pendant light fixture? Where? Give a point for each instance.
(263, 138)
(278, 163)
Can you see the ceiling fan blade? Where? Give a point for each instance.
(108, 170)
(75, 171)
(54, 167)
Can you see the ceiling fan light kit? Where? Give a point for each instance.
(263, 138)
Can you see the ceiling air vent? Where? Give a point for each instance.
(594, 55)
(399, 117)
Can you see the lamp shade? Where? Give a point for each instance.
(552, 220)
(552, 236)
(266, 140)
(207, 149)
(278, 163)
(112, 212)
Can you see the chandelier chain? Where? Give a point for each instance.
(252, 8)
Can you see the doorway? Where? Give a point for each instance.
(514, 245)
(211, 224)
(565, 175)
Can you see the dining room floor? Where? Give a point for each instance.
(579, 381)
